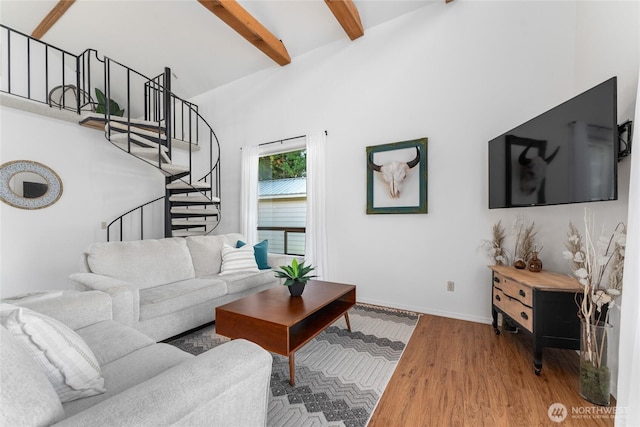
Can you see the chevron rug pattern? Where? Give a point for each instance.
(340, 375)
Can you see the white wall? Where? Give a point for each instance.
(40, 248)
(459, 74)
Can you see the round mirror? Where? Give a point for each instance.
(29, 185)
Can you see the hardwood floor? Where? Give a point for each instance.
(458, 373)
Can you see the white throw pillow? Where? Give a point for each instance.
(65, 358)
(238, 260)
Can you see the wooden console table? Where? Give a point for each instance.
(542, 304)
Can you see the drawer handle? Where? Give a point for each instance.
(496, 279)
(498, 297)
(524, 315)
(521, 292)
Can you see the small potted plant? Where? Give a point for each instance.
(296, 276)
(113, 106)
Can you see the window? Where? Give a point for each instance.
(282, 201)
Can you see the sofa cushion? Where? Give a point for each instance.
(206, 253)
(161, 300)
(239, 282)
(236, 260)
(261, 253)
(232, 238)
(67, 361)
(131, 370)
(143, 263)
(28, 397)
(100, 337)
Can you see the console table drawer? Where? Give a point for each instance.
(541, 303)
(513, 308)
(514, 289)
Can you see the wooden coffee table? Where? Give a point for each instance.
(281, 323)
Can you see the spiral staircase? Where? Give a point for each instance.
(157, 127)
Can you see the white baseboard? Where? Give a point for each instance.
(452, 315)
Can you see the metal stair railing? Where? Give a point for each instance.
(23, 57)
(160, 106)
(120, 220)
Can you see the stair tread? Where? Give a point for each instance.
(100, 116)
(194, 222)
(136, 138)
(181, 185)
(140, 131)
(146, 153)
(172, 169)
(190, 198)
(182, 210)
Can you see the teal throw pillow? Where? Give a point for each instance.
(260, 251)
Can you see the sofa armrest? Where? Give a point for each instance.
(74, 309)
(125, 296)
(225, 386)
(276, 260)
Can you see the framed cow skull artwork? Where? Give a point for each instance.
(397, 177)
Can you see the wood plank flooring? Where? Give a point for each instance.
(458, 373)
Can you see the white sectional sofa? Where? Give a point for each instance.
(134, 381)
(165, 287)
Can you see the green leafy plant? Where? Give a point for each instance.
(114, 108)
(295, 273)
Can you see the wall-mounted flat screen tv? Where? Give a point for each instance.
(567, 155)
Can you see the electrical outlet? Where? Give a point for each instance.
(450, 285)
(103, 225)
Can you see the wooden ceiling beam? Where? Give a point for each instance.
(249, 27)
(52, 17)
(347, 15)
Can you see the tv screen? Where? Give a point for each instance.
(567, 155)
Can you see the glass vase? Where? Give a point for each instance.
(595, 376)
(535, 265)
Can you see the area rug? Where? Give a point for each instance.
(340, 375)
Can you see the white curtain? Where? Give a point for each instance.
(316, 234)
(629, 349)
(249, 193)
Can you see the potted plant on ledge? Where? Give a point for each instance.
(296, 276)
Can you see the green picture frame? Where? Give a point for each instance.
(397, 177)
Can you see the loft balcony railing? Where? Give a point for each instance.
(40, 72)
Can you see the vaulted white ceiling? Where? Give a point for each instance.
(201, 50)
